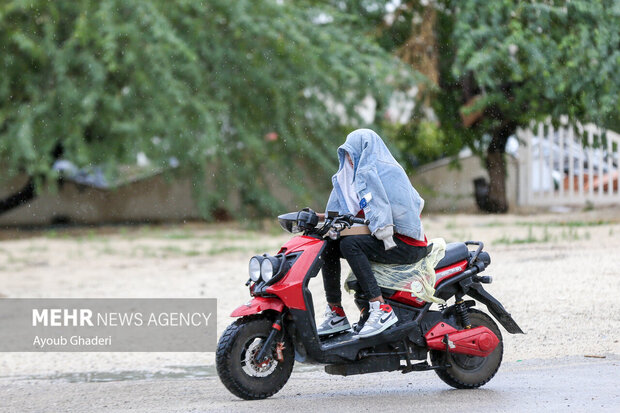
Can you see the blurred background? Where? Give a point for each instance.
(171, 110)
(196, 123)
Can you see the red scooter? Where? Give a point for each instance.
(463, 345)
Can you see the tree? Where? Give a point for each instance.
(530, 60)
(499, 65)
(242, 90)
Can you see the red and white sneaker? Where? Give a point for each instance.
(335, 321)
(380, 319)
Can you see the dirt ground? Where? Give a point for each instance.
(558, 274)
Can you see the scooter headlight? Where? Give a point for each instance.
(269, 268)
(254, 267)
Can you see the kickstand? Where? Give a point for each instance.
(409, 367)
(446, 341)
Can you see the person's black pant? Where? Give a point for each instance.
(359, 250)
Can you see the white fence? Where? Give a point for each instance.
(568, 166)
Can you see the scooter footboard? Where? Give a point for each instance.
(364, 366)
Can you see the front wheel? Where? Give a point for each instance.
(469, 372)
(236, 360)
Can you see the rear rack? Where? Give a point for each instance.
(480, 245)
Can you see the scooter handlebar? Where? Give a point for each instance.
(360, 221)
(340, 222)
(350, 219)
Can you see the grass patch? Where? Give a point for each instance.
(451, 225)
(254, 249)
(228, 249)
(107, 250)
(231, 236)
(36, 248)
(529, 239)
(460, 237)
(569, 233)
(494, 224)
(180, 235)
(569, 224)
(174, 250)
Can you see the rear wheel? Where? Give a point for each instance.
(469, 372)
(238, 367)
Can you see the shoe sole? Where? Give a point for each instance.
(334, 330)
(385, 326)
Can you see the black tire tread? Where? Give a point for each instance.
(222, 361)
(449, 379)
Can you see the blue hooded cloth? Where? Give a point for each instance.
(388, 199)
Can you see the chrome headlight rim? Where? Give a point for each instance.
(266, 270)
(269, 268)
(254, 267)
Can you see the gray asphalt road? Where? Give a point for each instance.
(569, 384)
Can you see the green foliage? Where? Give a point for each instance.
(422, 141)
(202, 82)
(506, 63)
(369, 16)
(533, 59)
(523, 60)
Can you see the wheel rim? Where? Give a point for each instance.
(467, 362)
(249, 363)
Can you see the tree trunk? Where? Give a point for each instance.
(497, 202)
(496, 167)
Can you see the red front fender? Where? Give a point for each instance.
(258, 304)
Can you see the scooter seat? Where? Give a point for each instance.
(455, 252)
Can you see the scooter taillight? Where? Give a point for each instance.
(477, 341)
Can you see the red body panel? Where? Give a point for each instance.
(290, 288)
(442, 274)
(405, 297)
(477, 341)
(258, 304)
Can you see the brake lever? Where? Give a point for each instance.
(326, 227)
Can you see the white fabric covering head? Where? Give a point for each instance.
(345, 179)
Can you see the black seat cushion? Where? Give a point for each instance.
(455, 252)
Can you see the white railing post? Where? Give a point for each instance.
(571, 163)
(589, 151)
(530, 174)
(522, 164)
(577, 144)
(561, 133)
(610, 174)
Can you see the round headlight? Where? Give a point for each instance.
(254, 268)
(266, 269)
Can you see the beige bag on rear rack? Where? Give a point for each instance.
(417, 278)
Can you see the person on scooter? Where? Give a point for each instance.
(370, 183)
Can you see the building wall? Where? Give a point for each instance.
(444, 188)
(448, 188)
(153, 199)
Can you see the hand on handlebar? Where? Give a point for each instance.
(334, 225)
(353, 220)
(360, 221)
